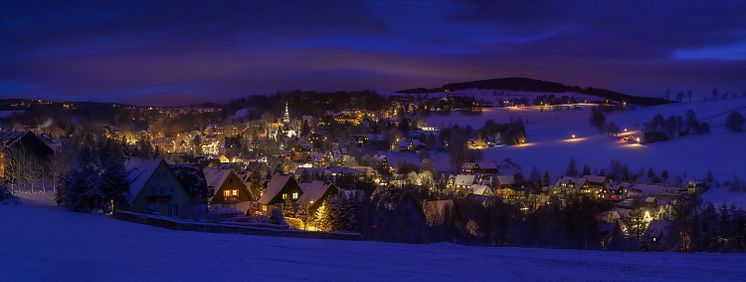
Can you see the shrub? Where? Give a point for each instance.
(735, 122)
(276, 217)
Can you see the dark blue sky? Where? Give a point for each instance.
(167, 52)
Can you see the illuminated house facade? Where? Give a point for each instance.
(281, 190)
(225, 187)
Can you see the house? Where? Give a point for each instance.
(696, 186)
(22, 148)
(462, 181)
(658, 236)
(505, 182)
(314, 160)
(480, 189)
(598, 182)
(315, 194)
(281, 190)
(226, 188)
(155, 189)
(570, 185)
(505, 185)
(479, 167)
(348, 173)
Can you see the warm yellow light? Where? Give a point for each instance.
(573, 136)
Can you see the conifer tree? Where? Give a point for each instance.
(572, 169)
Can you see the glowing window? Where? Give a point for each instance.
(284, 196)
(295, 196)
(234, 192)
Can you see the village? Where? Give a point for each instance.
(323, 173)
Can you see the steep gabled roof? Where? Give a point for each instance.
(215, 177)
(465, 179)
(313, 191)
(577, 181)
(274, 187)
(506, 179)
(596, 178)
(138, 173)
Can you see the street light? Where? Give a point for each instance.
(305, 222)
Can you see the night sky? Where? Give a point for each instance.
(178, 52)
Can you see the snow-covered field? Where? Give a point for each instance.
(39, 242)
(550, 146)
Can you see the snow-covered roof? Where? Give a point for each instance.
(654, 189)
(596, 178)
(345, 170)
(479, 189)
(313, 191)
(215, 177)
(274, 186)
(138, 173)
(464, 179)
(577, 181)
(506, 179)
(316, 157)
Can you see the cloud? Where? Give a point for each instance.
(160, 52)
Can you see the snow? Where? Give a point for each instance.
(42, 242)
(8, 113)
(550, 145)
(492, 95)
(139, 172)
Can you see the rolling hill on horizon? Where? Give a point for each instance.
(535, 85)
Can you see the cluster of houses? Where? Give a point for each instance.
(652, 202)
(188, 191)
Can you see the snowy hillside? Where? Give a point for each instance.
(550, 146)
(488, 94)
(46, 243)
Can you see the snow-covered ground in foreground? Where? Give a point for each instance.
(550, 147)
(40, 242)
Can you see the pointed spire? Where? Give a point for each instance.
(286, 115)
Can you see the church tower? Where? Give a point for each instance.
(286, 114)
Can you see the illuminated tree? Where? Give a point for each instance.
(322, 218)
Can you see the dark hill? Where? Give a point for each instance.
(535, 85)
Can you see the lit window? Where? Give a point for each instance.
(295, 195)
(226, 193)
(284, 196)
(234, 192)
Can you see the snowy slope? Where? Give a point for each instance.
(549, 146)
(47, 243)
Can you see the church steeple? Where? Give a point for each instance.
(286, 114)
